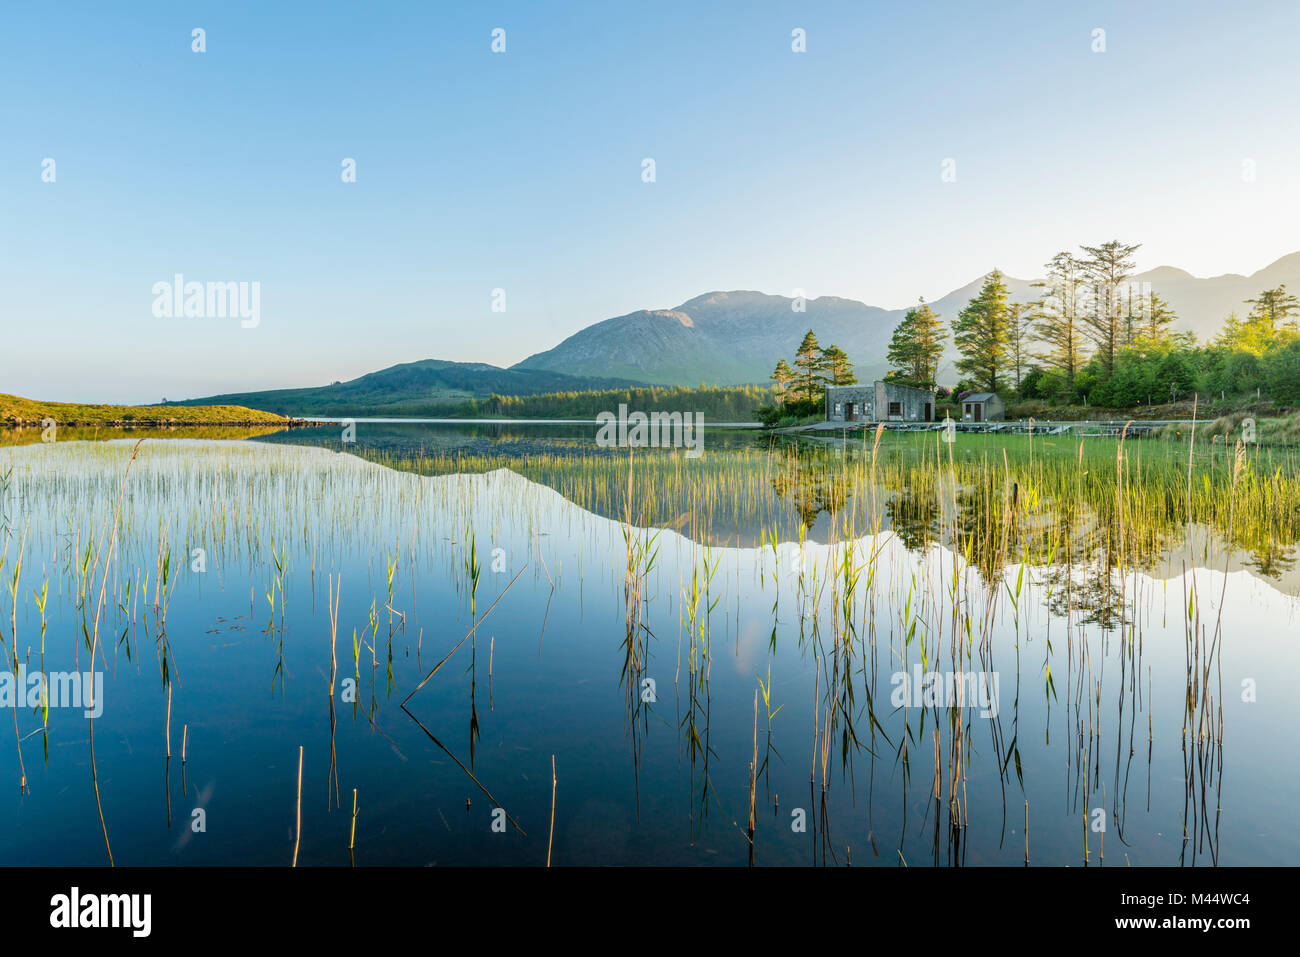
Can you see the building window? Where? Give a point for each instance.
(896, 408)
(968, 408)
(839, 410)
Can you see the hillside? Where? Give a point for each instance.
(732, 338)
(426, 387)
(719, 338)
(15, 410)
(722, 338)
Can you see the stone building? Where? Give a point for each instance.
(983, 407)
(879, 402)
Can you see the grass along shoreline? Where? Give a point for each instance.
(18, 411)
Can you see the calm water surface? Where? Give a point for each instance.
(637, 678)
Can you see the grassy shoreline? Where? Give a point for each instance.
(18, 411)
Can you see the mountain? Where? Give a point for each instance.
(719, 338)
(411, 388)
(1203, 304)
(731, 338)
(723, 338)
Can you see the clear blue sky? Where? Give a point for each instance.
(522, 170)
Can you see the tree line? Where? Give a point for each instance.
(1097, 337)
(715, 403)
(814, 369)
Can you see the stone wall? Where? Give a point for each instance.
(879, 402)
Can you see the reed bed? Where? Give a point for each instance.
(1031, 558)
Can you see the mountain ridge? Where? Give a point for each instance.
(411, 388)
(736, 337)
(722, 338)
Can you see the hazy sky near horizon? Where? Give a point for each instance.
(522, 170)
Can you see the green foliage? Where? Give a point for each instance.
(1281, 371)
(1107, 268)
(1273, 310)
(1031, 385)
(1106, 343)
(810, 365)
(837, 364)
(782, 375)
(982, 335)
(1056, 319)
(1144, 377)
(715, 403)
(800, 392)
(916, 347)
(17, 410)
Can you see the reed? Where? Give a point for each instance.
(969, 557)
(550, 839)
(297, 836)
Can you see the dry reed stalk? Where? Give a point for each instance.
(112, 542)
(332, 605)
(435, 668)
(298, 836)
(551, 838)
(18, 744)
(753, 777)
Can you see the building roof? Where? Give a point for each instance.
(980, 397)
(872, 385)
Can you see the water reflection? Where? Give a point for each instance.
(685, 674)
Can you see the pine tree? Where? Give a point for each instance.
(782, 375)
(916, 347)
(837, 364)
(1019, 333)
(811, 364)
(1272, 311)
(1132, 304)
(1107, 268)
(1056, 316)
(1232, 334)
(1156, 320)
(981, 334)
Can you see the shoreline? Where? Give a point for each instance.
(127, 424)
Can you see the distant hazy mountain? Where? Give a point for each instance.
(1203, 304)
(412, 388)
(719, 338)
(722, 338)
(727, 338)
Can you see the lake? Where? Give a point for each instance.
(887, 650)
